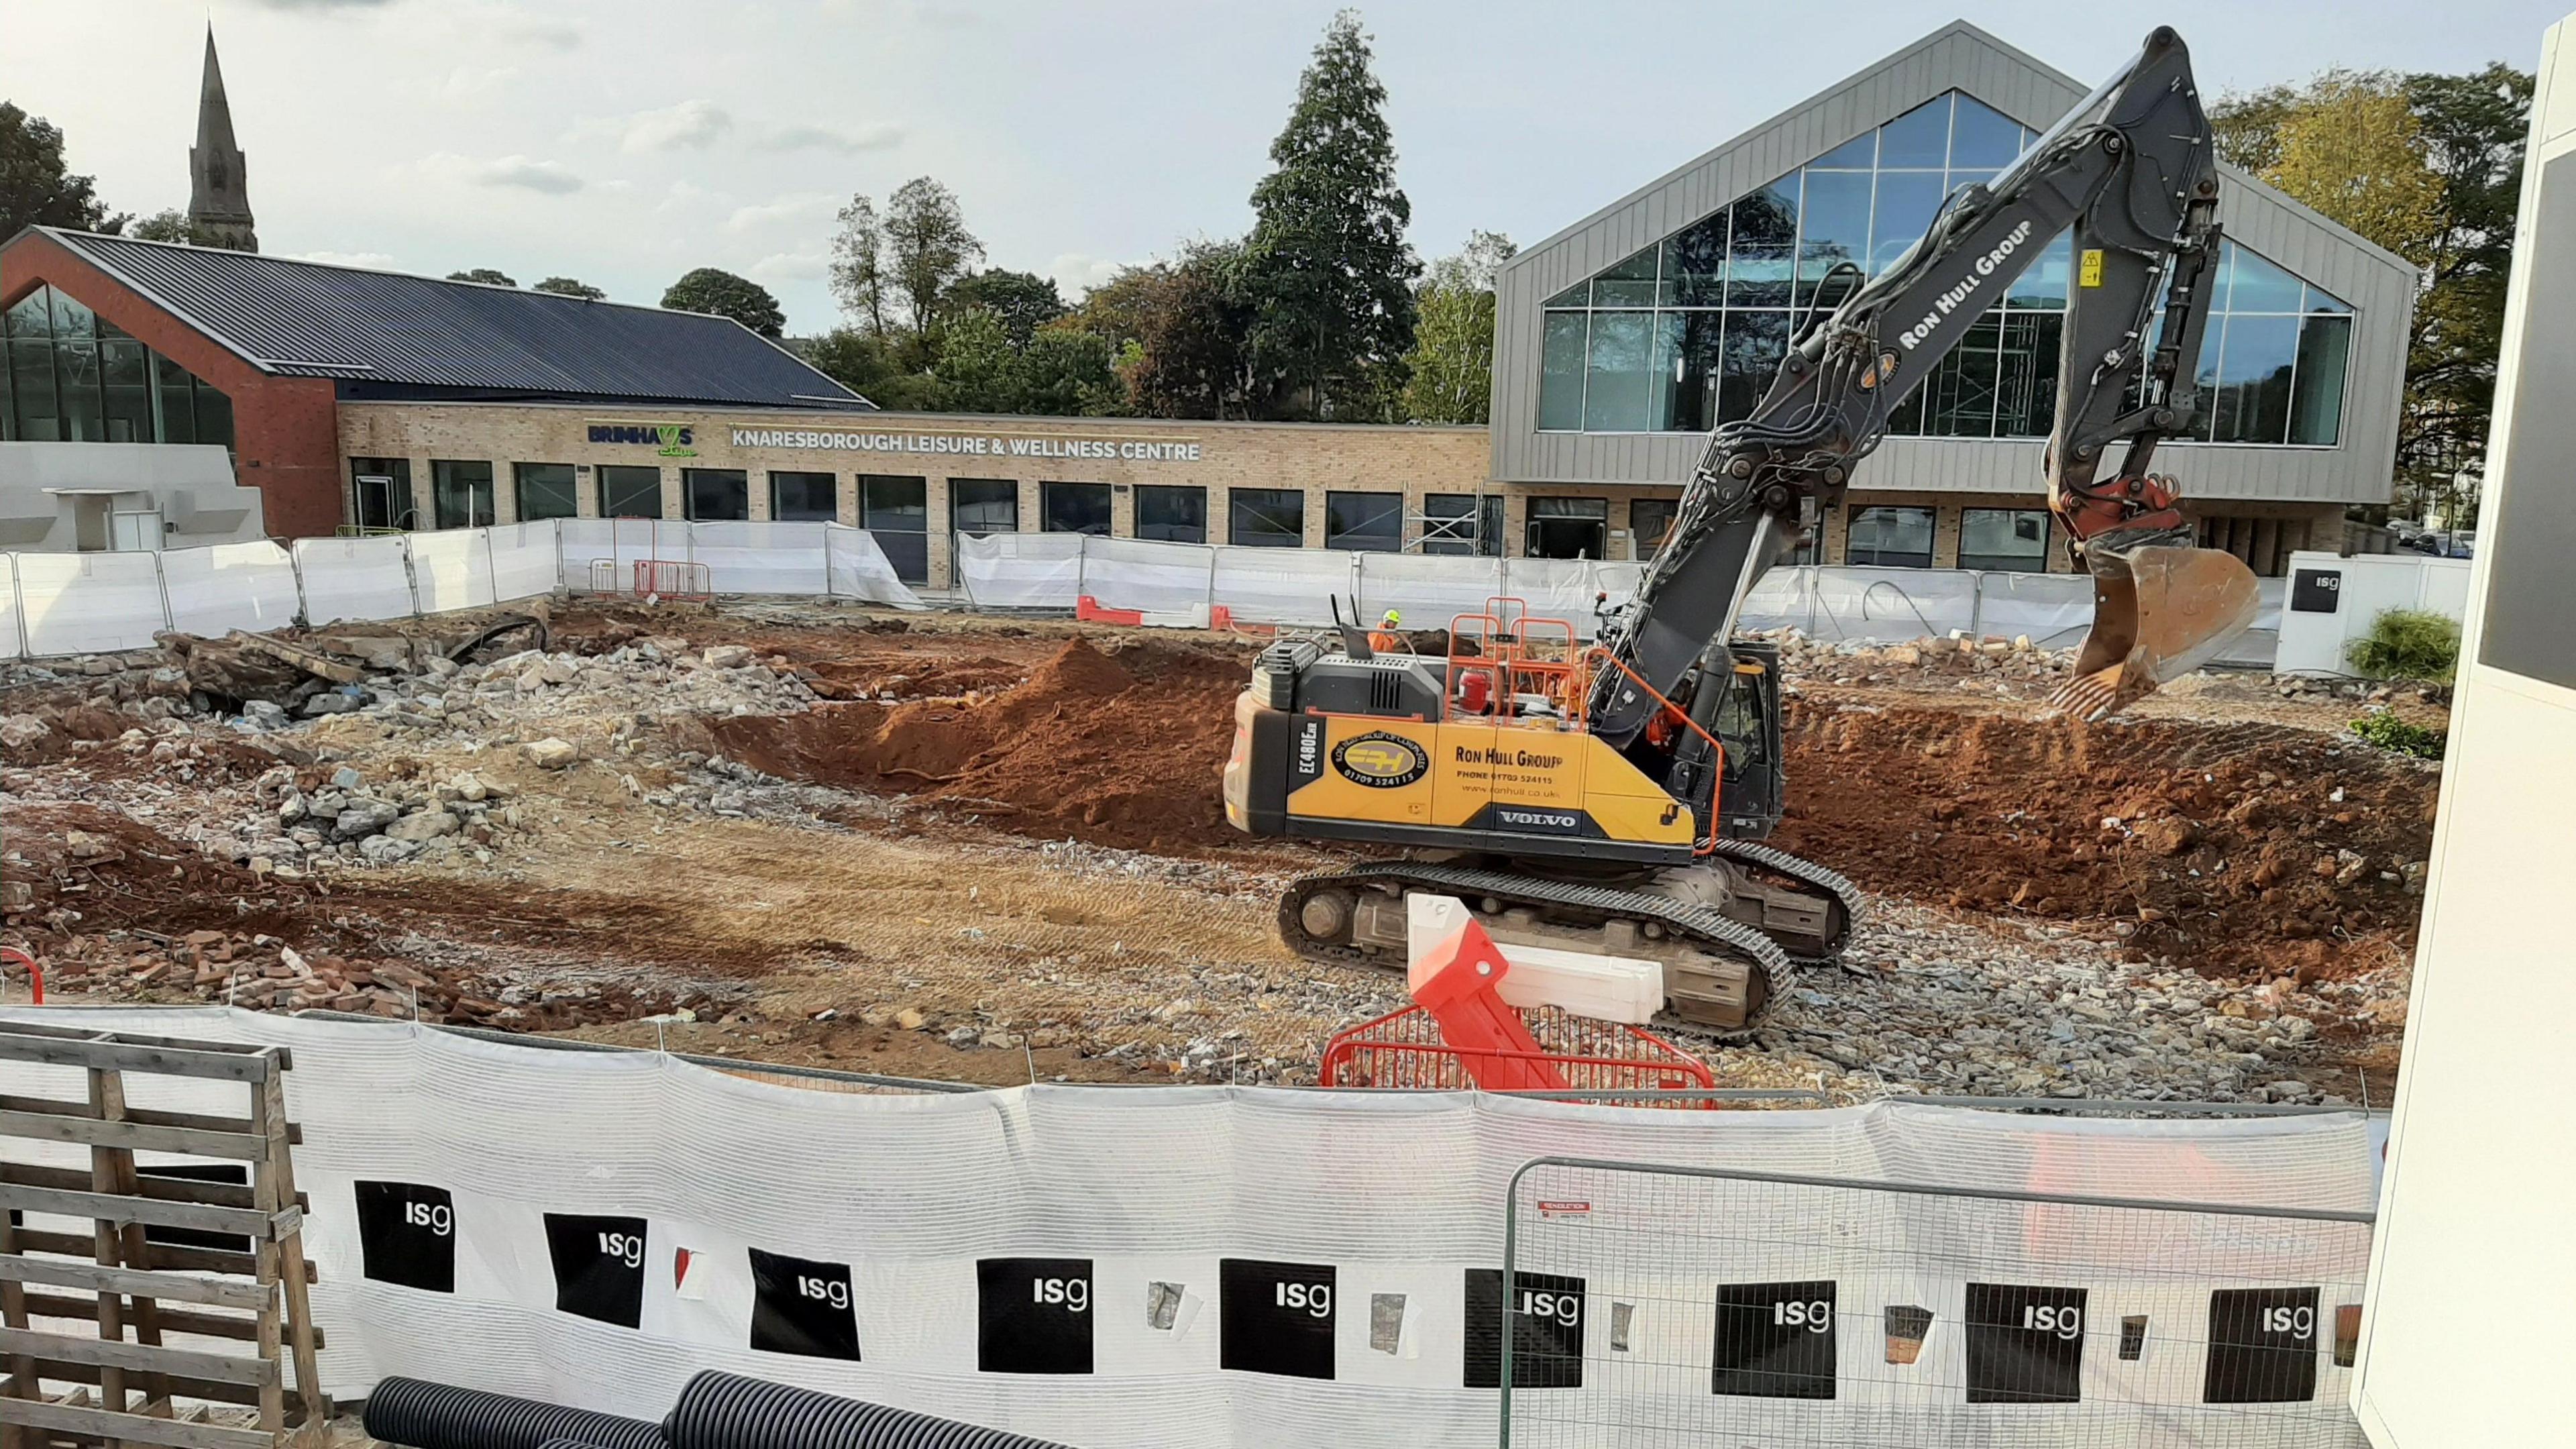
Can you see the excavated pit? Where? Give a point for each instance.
(1119, 749)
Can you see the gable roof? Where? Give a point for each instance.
(1957, 56)
(315, 319)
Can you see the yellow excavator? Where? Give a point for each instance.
(1613, 798)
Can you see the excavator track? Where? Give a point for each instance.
(1806, 873)
(1749, 966)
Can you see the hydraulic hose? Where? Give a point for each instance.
(728, 1411)
(423, 1415)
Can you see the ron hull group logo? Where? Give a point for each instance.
(1381, 761)
(671, 440)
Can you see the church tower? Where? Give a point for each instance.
(218, 189)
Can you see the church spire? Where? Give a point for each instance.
(219, 189)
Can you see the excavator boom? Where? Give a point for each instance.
(2131, 174)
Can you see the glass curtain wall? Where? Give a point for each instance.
(1688, 333)
(68, 375)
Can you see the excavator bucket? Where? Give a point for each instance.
(2159, 612)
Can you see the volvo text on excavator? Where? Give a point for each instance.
(1613, 798)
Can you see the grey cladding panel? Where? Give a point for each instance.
(2533, 531)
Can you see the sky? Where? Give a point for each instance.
(625, 142)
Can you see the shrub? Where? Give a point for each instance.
(2387, 731)
(2407, 644)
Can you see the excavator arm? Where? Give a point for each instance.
(2130, 172)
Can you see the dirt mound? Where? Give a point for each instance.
(115, 871)
(2245, 847)
(1116, 749)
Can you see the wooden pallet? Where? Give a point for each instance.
(118, 1382)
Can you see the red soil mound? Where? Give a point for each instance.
(1117, 749)
(2224, 845)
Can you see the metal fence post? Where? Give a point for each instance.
(1213, 550)
(1081, 565)
(411, 576)
(161, 576)
(18, 604)
(492, 562)
(1977, 604)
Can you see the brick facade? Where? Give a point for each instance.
(285, 431)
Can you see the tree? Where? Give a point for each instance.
(927, 248)
(35, 189)
(570, 287)
(1022, 301)
(858, 265)
(978, 366)
(167, 225)
(486, 275)
(1179, 331)
(1450, 371)
(865, 362)
(1066, 372)
(2430, 167)
(723, 294)
(1326, 270)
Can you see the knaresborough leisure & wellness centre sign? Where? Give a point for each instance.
(973, 445)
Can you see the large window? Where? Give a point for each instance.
(69, 375)
(1171, 513)
(1689, 333)
(1368, 522)
(983, 505)
(803, 498)
(1889, 538)
(1449, 524)
(2010, 539)
(1650, 520)
(380, 493)
(716, 495)
(628, 490)
(546, 490)
(895, 510)
(1568, 528)
(460, 492)
(1075, 508)
(1265, 517)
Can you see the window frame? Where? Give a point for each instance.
(1378, 542)
(1931, 537)
(1105, 498)
(519, 480)
(726, 477)
(805, 477)
(1238, 499)
(2047, 540)
(443, 479)
(1159, 492)
(608, 508)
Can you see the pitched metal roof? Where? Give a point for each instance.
(313, 319)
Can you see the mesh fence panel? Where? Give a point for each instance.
(1656, 1306)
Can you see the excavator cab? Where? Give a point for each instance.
(1737, 699)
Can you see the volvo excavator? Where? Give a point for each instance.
(1614, 798)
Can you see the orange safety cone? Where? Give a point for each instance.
(1454, 981)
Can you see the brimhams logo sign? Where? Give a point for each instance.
(672, 440)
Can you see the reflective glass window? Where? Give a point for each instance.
(2316, 395)
(1615, 372)
(1689, 370)
(895, 510)
(1983, 140)
(214, 413)
(2010, 539)
(1754, 346)
(1171, 513)
(178, 405)
(716, 495)
(1649, 521)
(460, 492)
(1629, 284)
(76, 376)
(1889, 538)
(628, 490)
(32, 316)
(804, 497)
(1560, 382)
(1370, 522)
(1694, 265)
(2253, 401)
(983, 505)
(1859, 153)
(1762, 245)
(1907, 202)
(1833, 225)
(1074, 508)
(545, 490)
(1920, 138)
(1265, 517)
(31, 378)
(125, 380)
(1449, 523)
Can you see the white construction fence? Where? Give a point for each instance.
(1217, 1266)
(55, 603)
(1184, 583)
(88, 603)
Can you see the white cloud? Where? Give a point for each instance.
(550, 34)
(377, 260)
(689, 125)
(781, 267)
(477, 83)
(872, 137)
(798, 206)
(1076, 274)
(526, 173)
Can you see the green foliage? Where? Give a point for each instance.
(486, 275)
(570, 287)
(1326, 271)
(2407, 644)
(725, 295)
(1022, 301)
(2384, 729)
(1178, 333)
(167, 225)
(2444, 201)
(858, 265)
(927, 248)
(35, 189)
(1058, 372)
(1450, 371)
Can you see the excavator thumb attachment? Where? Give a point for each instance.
(2159, 612)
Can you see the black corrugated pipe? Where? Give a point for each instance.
(423, 1415)
(728, 1411)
